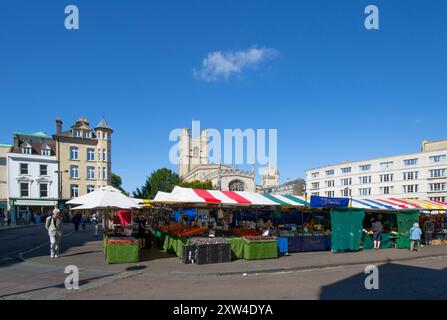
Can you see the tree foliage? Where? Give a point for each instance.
(206, 185)
(116, 182)
(160, 180)
(165, 180)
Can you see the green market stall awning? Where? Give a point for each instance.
(237, 198)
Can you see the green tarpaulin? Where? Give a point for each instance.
(173, 244)
(122, 253)
(347, 228)
(405, 220)
(237, 247)
(253, 250)
(258, 250)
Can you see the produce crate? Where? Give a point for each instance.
(224, 253)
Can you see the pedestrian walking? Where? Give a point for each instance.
(415, 237)
(77, 221)
(83, 222)
(429, 229)
(54, 226)
(377, 229)
(95, 224)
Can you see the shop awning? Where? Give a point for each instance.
(238, 198)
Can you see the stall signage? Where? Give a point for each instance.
(323, 202)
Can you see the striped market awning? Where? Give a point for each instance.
(238, 198)
(398, 204)
(243, 198)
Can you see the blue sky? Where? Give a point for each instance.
(333, 89)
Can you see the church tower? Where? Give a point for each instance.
(270, 177)
(193, 151)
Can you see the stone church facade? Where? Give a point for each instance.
(194, 165)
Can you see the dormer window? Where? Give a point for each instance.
(46, 151)
(86, 134)
(26, 149)
(77, 133)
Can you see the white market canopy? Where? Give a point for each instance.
(104, 198)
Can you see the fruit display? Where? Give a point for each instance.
(259, 238)
(186, 232)
(246, 232)
(207, 241)
(171, 227)
(122, 241)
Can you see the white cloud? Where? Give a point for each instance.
(222, 65)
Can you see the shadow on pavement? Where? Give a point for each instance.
(396, 281)
(57, 286)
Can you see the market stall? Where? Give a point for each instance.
(119, 244)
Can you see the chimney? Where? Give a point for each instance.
(58, 125)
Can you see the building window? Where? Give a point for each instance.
(74, 172)
(364, 180)
(104, 155)
(330, 183)
(316, 194)
(24, 190)
(346, 182)
(43, 170)
(90, 189)
(86, 134)
(411, 175)
(365, 191)
(27, 150)
(386, 165)
(104, 135)
(330, 194)
(46, 152)
(43, 190)
(330, 172)
(437, 159)
(315, 185)
(315, 174)
(387, 190)
(236, 185)
(24, 168)
(90, 173)
(346, 192)
(90, 154)
(365, 167)
(386, 177)
(412, 188)
(74, 153)
(410, 162)
(437, 173)
(437, 187)
(77, 133)
(98, 134)
(104, 174)
(346, 170)
(441, 199)
(74, 191)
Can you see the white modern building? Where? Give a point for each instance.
(32, 175)
(421, 175)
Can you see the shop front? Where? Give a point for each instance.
(26, 211)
